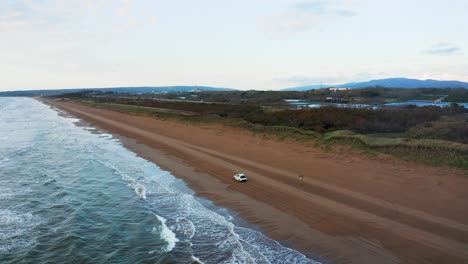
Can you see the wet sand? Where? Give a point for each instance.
(349, 208)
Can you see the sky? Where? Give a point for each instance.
(243, 44)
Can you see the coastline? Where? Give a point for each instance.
(341, 220)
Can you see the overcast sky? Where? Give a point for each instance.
(245, 44)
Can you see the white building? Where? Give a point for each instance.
(334, 89)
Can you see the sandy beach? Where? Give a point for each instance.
(349, 208)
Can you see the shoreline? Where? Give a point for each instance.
(340, 220)
(180, 170)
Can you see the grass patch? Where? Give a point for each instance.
(428, 151)
(144, 110)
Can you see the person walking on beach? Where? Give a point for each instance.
(301, 180)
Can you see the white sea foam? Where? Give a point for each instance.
(271, 249)
(72, 120)
(89, 128)
(197, 260)
(139, 189)
(167, 234)
(7, 193)
(15, 228)
(105, 135)
(184, 228)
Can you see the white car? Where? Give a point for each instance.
(240, 177)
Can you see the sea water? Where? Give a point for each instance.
(71, 195)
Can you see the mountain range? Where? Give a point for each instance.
(388, 83)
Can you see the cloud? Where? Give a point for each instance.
(304, 16)
(443, 49)
(53, 14)
(22, 14)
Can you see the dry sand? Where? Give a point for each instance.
(349, 208)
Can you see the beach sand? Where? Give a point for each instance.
(349, 208)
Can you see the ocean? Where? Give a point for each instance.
(72, 194)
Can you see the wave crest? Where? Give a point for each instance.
(167, 234)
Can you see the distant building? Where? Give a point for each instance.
(197, 90)
(335, 89)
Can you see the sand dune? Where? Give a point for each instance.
(349, 208)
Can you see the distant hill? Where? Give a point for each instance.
(388, 83)
(134, 90)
